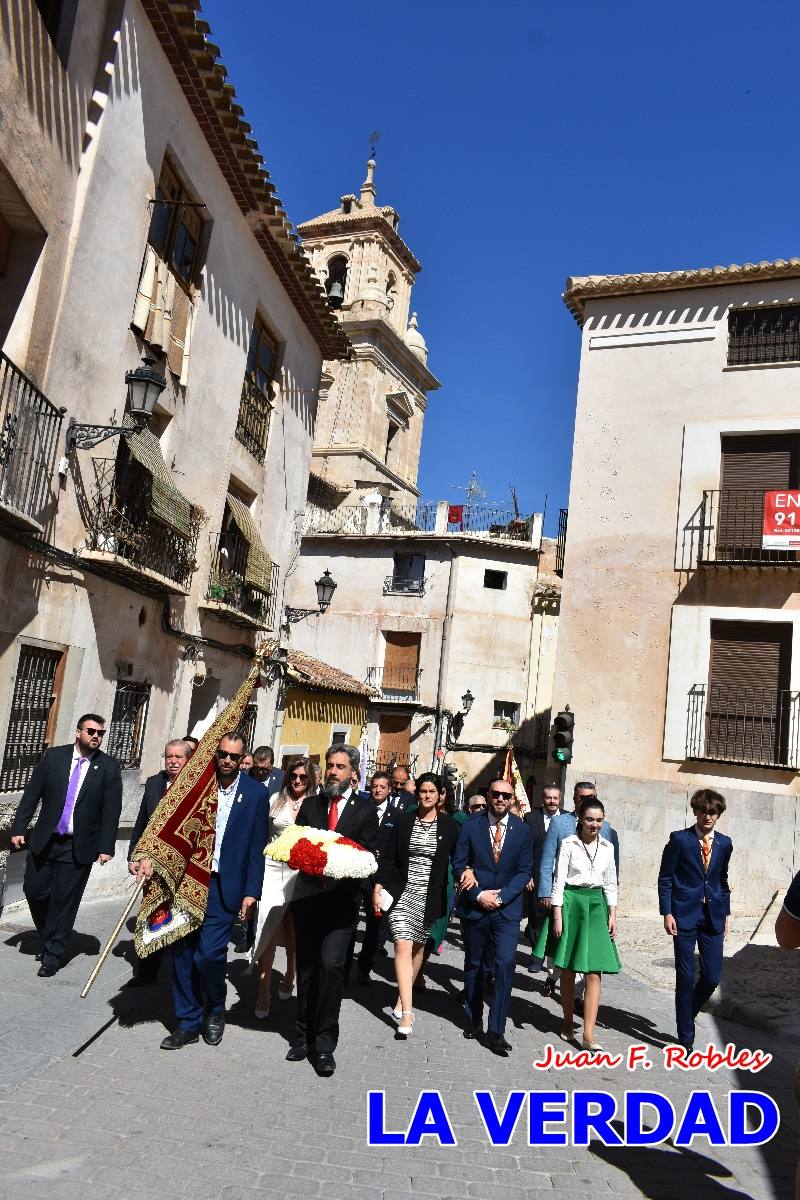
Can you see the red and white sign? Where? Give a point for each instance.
(781, 530)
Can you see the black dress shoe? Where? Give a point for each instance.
(179, 1039)
(39, 956)
(474, 1031)
(324, 1064)
(213, 1029)
(498, 1044)
(46, 971)
(298, 1052)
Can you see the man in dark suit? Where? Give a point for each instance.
(539, 821)
(498, 848)
(176, 754)
(695, 901)
(401, 795)
(265, 771)
(324, 921)
(200, 959)
(81, 793)
(375, 927)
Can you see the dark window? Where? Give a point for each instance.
(495, 579)
(260, 356)
(750, 465)
(747, 708)
(175, 226)
(764, 335)
(247, 726)
(409, 567)
(338, 738)
(390, 436)
(33, 710)
(128, 721)
(336, 281)
(255, 406)
(505, 711)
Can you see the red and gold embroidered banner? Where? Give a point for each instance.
(179, 838)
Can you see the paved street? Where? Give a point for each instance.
(89, 1105)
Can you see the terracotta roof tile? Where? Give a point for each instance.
(580, 288)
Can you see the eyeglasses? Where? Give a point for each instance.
(501, 795)
(477, 808)
(301, 778)
(227, 754)
(94, 732)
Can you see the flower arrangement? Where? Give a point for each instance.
(322, 853)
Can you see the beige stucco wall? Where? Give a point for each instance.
(654, 396)
(91, 291)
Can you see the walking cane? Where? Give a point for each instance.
(112, 939)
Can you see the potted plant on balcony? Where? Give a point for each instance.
(224, 588)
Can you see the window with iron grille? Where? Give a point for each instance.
(176, 226)
(255, 406)
(32, 715)
(247, 725)
(764, 335)
(128, 721)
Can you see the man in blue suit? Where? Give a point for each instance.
(695, 901)
(200, 960)
(498, 847)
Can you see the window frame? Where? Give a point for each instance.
(180, 221)
(751, 347)
(500, 720)
(144, 691)
(502, 587)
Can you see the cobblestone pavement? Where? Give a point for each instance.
(89, 1105)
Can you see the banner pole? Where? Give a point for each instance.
(109, 944)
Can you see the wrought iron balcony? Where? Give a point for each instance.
(229, 594)
(348, 518)
(252, 427)
(488, 520)
(385, 760)
(726, 529)
(561, 543)
(398, 585)
(747, 725)
(29, 432)
(396, 683)
(133, 544)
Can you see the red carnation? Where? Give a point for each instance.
(344, 841)
(307, 857)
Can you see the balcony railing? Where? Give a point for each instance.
(414, 518)
(386, 760)
(489, 520)
(349, 518)
(138, 546)
(29, 431)
(561, 543)
(395, 683)
(252, 427)
(748, 725)
(235, 599)
(726, 529)
(398, 585)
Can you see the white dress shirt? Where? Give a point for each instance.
(84, 761)
(225, 798)
(342, 801)
(585, 866)
(380, 809)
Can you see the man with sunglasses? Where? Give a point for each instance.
(80, 789)
(498, 848)
(200, 959)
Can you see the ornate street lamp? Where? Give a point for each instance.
(326, 585)
(145, 385)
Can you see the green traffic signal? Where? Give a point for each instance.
(562, 755)
(563, 726)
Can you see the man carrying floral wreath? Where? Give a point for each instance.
(324, 920)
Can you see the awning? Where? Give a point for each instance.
(258, 572)
(167, 503)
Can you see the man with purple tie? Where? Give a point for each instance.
(80, 790)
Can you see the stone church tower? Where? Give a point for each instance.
(371, 410)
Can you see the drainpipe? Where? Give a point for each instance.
(448, 617)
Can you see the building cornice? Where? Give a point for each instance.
(363, 453)
(195, 61)
(413, 365)
(350, 225)
(463, 542)
(580, 288)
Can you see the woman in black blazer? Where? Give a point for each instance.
(413, 870)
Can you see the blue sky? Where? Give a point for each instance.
(523, 142)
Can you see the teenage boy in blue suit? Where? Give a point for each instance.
(695, 901)
(498, 847)
(200, 959)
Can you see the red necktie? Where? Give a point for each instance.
(496, 844)
(333, 813)
(705, 849)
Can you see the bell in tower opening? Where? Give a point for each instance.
(337, 277)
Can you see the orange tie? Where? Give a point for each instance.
(333, 813)
(496, 847)
(705, 848)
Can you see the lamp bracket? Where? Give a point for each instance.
(293, 615)
(85, 437)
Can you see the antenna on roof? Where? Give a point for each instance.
(373, 140)
(515, 501)
(474, 488)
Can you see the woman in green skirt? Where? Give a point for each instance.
(580, 931)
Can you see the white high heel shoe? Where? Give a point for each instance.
(406, 1030)
(397, 1012)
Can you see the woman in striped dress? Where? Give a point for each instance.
(413, 871)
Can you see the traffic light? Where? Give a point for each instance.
(562, 736)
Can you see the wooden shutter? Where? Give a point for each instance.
(401, 662)
(748, 702)
(394, 743)
(750, 466)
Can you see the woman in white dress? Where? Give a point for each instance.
(275, 928)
